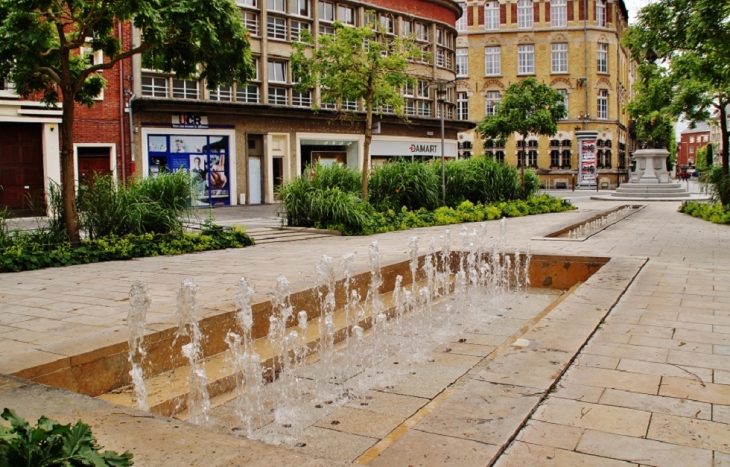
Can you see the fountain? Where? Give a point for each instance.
(280, 366)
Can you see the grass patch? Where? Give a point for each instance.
(713, 212)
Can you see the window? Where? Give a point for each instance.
(301, 99)
(603, 103)
(154, 86)
(326, 11)
(222, 94)
(276, 5)
(558, 13)
(602, 58)
(564, 92)
(251, 3)
(440, 57)
(328, 30)
(408, 90)
(249, 93)
(560, 58)
(299, 7)
(691, 150)
(461, 24)
(491, 16)
(276, 27)
(462, 62)
(493, 99)
(278, 96)
(423, 89)
(251, 21)
(185, 89)
(423, 108)
(492, 61)
(601, 13)
(525, 59)
(691, 139)
(407, 28)
(277, 72)
(565, 163)
(421, 32)
(462, 106)
(387, 24)
(296, 28)
(346, 14)
(409, 107)
(525, 14)
(554, 159)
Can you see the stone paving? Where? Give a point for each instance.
(651, 386)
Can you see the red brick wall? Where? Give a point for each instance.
(106, 122)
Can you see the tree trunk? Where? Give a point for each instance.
(723, 132)
(368, 138)
(68, 171)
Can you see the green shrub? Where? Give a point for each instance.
(335, 176)
(720, 185)
(414, 185)
(51, 444)
(153, 204)
(24, 255)
(713, 212)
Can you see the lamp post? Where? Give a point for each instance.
(441, 93)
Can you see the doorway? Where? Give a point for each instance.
(22, 188)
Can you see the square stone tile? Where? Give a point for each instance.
(718, 362)
(482, 411)
(420, 449)
(701, 434)
(650, 354)
(579, 414)
(578, 392)
(522, 454)
(360, 422)
(721, 413)
(529, 367)
(663, 369)
(599, 377)
(657, 404)
(642, 451)
(550, 434)
(334, 445)
(596, 361)
(671, 344)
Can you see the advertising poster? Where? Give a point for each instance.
(205, 158)
(587, 162)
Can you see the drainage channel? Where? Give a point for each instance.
(585, 229)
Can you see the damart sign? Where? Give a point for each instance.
(411, 148)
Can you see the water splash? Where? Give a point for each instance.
(139, 303)
(198, 399)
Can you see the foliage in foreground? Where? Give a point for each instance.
(22, 253)
(713, 212)
(51, 444)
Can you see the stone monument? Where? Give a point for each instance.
(649, 178)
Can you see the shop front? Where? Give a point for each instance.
(384, 149)
(207, 155)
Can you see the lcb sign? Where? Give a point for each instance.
(189, 121)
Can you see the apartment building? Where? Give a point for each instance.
(571, 45)
(690, 140)
(246, 140)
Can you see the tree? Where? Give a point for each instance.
(690, 41)
(360, 64)
(40, 43)
(651, 107)
(526, 108)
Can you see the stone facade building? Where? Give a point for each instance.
(571, 45)
(246, 140)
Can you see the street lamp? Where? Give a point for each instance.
(441, 94)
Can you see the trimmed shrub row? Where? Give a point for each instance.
(714, 212)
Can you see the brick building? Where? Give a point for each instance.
(30, 144)
(246, 140)
(571, 45)
(690, 140)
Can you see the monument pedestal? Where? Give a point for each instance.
(650, 178)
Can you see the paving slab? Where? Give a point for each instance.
(678, 292)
